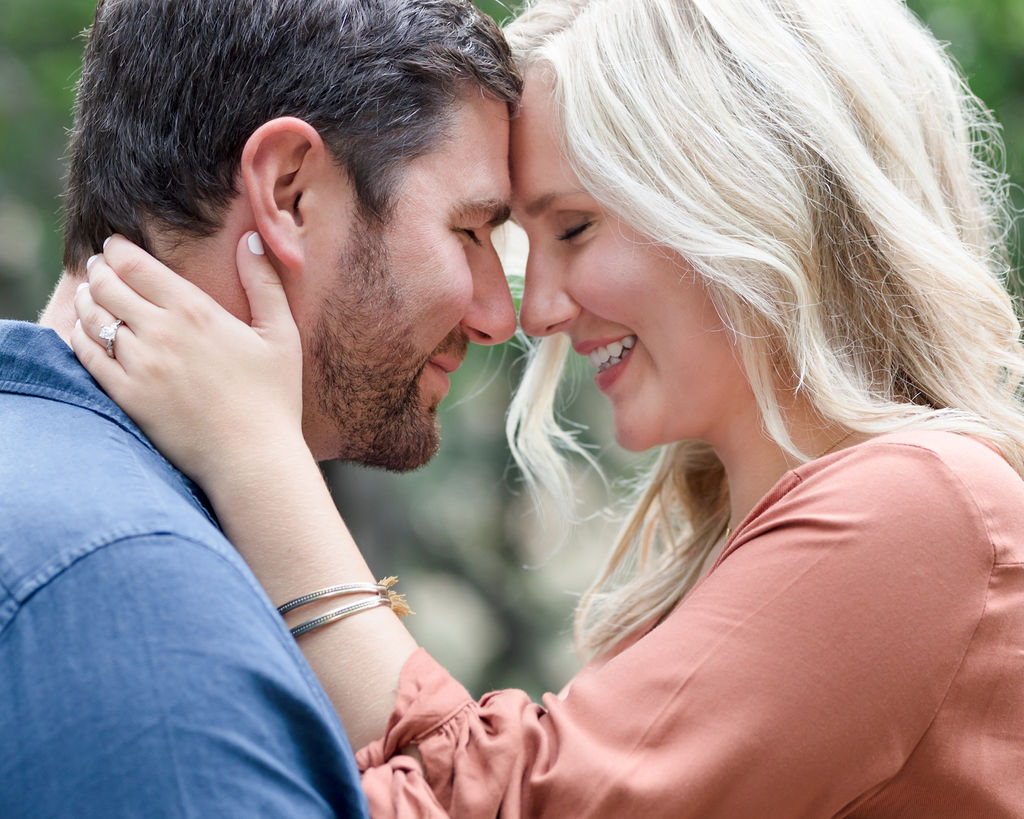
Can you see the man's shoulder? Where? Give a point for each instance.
(76, 479)
(152, 672)
(68, 471)
(139, 658)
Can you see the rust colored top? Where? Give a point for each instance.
(856, 650)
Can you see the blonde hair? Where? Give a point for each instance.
(825, 169)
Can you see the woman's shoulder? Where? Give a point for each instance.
(953, 447)
(923, 453)
(920, 477)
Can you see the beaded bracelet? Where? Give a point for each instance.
(332, 591)
(382, 596)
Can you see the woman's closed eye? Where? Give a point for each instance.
(573, 232)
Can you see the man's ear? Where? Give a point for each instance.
(280, 161)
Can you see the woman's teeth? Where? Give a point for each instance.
(611, 354)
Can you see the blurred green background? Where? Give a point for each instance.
(493, 594)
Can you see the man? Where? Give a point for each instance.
(142, 669)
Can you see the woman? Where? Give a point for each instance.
(766, 224)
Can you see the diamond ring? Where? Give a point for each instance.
(108, 332)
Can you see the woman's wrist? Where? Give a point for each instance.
(261, 462)
(275, 506)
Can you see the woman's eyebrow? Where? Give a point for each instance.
(541, 203)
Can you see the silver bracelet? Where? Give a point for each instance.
(332, 591)
(381, 599)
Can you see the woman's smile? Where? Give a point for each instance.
(634, 308)
(611, 354)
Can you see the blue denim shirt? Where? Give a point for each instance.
(143, 671)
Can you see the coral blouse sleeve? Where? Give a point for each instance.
(795, 680)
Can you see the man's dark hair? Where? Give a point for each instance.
(171, 90)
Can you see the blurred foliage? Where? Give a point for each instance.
(987, 40)
(456, 532)
(40, 53)
(498, 9)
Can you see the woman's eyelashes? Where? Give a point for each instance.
(573, 232)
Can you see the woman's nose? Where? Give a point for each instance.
(547, 307)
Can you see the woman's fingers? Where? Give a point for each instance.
(197, 380)
(100, 334)
(146, 276)
(268, 305)
(272, 321)
(92, 316)
(92, 352)
(107, 295)
(111, 313)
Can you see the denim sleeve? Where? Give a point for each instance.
(149, 678)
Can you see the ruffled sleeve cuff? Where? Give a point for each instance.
(428, 697)
(428, 700)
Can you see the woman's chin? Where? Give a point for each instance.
(632, 439)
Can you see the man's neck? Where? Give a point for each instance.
(209, 263)
(60, 314)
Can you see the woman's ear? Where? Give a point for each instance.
(281, 160)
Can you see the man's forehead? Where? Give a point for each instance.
(466, 174)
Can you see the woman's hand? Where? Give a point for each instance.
(214, 394)
(223, 400)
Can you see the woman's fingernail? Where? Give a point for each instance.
(78, 323)
(81, 286)
(90, 260)
(255, 244)
(105, 241)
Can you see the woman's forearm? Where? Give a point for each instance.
(280, 516)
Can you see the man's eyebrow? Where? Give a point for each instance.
(492, 211)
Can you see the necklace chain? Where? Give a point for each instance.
(835, 445)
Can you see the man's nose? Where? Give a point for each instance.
(491, 316)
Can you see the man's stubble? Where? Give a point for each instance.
(366, 369)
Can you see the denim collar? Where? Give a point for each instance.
(35, 361)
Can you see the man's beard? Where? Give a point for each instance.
(366, 371)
